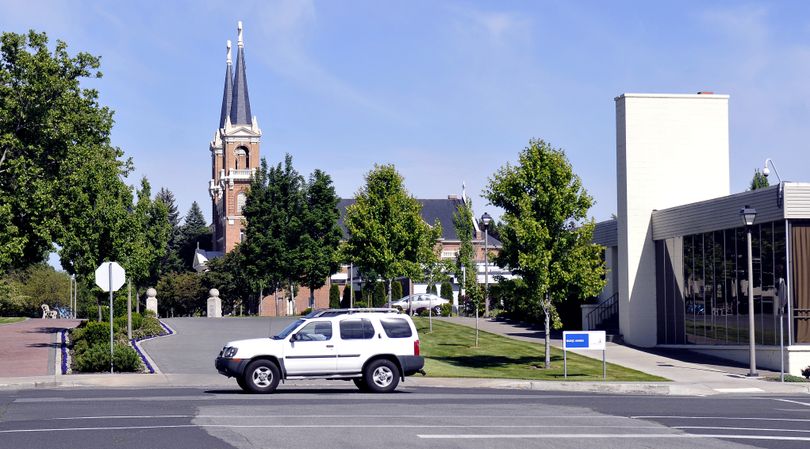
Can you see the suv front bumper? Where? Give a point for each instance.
(230, 367)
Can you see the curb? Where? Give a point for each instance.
(147, 361)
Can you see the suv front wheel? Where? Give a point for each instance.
(261, 376)
(381, 376)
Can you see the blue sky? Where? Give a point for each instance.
(448, 91)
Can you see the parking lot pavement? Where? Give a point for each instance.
(29, 347)
(197, 341)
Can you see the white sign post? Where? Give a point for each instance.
(584, 340)
(110, 277)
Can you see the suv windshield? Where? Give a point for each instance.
(288, 330)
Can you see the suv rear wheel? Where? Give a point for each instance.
(261, 376)
(381, 376)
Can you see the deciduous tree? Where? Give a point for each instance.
(546, 234)
(387, 235)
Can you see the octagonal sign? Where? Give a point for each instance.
(110, 274)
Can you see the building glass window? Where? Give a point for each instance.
(713, 276)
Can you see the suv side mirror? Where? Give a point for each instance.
(294, 337)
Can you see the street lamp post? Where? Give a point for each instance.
(748, 214)
(486, 220)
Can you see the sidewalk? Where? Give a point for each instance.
(29, 347)
(701, 373)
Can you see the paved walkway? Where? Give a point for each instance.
(28, 348)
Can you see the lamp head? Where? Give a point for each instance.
(486, 219)
(748, 215)
(766, 171)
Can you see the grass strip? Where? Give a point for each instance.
(450, 351)
(10, 319)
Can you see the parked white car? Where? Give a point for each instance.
(420, 302)
(376, 348)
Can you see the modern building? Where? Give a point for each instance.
(677, 252)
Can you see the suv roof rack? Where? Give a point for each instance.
(336, 312)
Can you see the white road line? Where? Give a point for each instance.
(793, 402)
(739, 390)
(310, 426)
(728, 418)
(269, 416)
(747, 429)
(575, 436)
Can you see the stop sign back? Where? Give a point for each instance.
(110, 276)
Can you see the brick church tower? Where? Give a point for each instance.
(234, 154)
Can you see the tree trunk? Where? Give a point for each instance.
(546, 312)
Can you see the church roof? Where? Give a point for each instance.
(227, 93)
(240, 100)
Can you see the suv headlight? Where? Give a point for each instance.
(228, 352)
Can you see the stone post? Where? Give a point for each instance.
(151, 300)
(214, 304)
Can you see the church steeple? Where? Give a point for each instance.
(240, 102)
(234, 155)
(227, 94)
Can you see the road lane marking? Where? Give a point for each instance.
(311, 426)
(376, 416)
(729, 418)
(793, 402)
(575, 436)
(747, 429)
(739, 390)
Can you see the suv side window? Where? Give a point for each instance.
(356, 329)
(316, 331)
(396, 328)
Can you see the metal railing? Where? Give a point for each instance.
(607, 310)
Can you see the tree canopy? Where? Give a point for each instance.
(387, 236)
(759, 181)
(54, 146)
(546, 235)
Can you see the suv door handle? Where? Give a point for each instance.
(330, 346)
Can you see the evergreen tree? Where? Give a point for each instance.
(334, 296)
(466, 271)
(447, 290)
(171, 261)
(759, 181)
(396, 290)
(193, 234)
(346, 300)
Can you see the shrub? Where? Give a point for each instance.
(334, 297)
(447, 290)
(379, 298)
(346, 301)
(150, 327)
(306, 311)
(93, 332)
(424, 312)
(96, 358)
(447, 309)
(431, 289)
(396, 290)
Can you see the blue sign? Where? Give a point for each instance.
(576, 340)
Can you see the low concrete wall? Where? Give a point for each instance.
(797, 357)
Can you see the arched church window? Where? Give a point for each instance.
(240, 202)
(241, 158)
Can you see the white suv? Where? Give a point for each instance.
(373, 347)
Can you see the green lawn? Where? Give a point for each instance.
(450, 352)
(13, 319)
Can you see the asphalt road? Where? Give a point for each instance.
(342, 417)
(197, 341)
